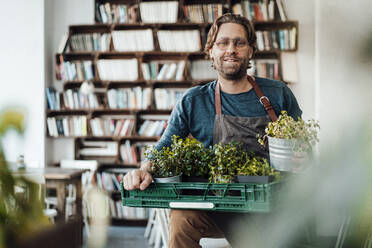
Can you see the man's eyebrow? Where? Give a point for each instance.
(235, 38)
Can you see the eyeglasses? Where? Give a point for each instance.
(240, 44)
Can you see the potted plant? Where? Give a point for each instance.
(227, 157)
(187, 157)
(256, 170)
(233, 163)
(192, 158)
(290, 142)
(163, 166)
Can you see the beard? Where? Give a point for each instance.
(234, 71)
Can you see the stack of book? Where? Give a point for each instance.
(112, 127)
(179, 40)
(133, 40)
(118, 69)
(160, 70)
(167, 98)
(90, 42)
(67, 126)
(53, 98)
(75, 70)
(96, 149)
(200, 13)
(118, 211)
(75, 99)
(152, 128)
(267, 68)
(117, 13)
(159, 11)
(128, 153)
(284, 39)
(132, 98)
(263, 10)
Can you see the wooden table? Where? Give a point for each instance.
(59, 178)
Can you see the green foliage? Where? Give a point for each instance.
(220, 163)
(227, 158)
(257, 166)
(21, 214)
(231, 159)
(305, 133)
(186, 156)
(162, 162)
(191, 156)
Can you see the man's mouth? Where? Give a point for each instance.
(230, 60)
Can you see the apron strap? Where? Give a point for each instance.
(217, 98)
(263, 99)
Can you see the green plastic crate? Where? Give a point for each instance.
(235, 197)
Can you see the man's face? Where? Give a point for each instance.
(231, 52)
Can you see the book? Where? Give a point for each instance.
(63, 43)
(50, 94)
(171, 71)
(180, 70)
(260, 41)
(162, 72)
(282, 13)
(237, 9)
(145, 71)
(125, 127)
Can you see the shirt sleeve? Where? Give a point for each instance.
(291, 104)
(177, 124)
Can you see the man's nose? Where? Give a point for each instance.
(231, 47)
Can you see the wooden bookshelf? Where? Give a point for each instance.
(99, 37)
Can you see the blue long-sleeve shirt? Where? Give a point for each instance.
(195, 112)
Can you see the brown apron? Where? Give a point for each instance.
(242, 129)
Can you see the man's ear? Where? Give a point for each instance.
(250, 52)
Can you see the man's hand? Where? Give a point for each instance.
(138, 179)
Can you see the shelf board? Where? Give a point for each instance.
(89, 28)
(51, 113)
(150, 54)
(139, 138)
(123, 26)
(166, 25)
(275, 22)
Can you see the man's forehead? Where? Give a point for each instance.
(231, 30)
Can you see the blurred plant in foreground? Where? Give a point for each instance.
(21, 213)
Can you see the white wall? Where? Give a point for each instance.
(343, 74)
(22, 74)
(343, 89)
(304, 12)
(58, 16)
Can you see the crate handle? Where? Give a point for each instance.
(192, 205)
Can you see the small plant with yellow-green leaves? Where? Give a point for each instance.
(231, 160)
(304, 133)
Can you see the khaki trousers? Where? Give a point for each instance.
(242, 230)
(187, 227)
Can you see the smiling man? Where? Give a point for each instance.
(235, 107)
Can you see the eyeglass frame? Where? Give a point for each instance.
(235, 43)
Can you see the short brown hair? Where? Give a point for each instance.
(231, 18)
